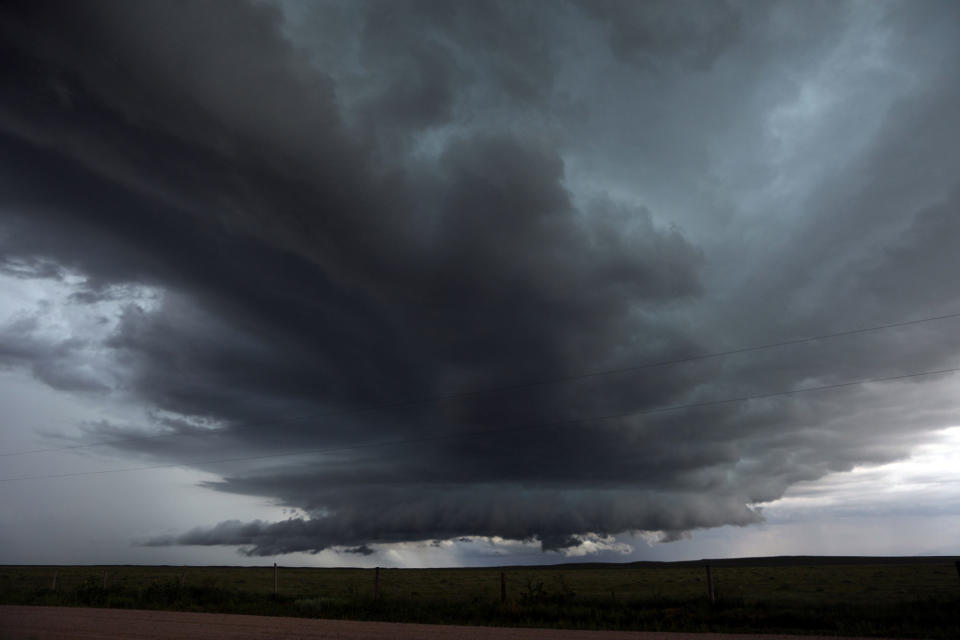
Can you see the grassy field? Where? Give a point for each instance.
(904, 597)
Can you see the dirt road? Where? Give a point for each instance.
(70, 623)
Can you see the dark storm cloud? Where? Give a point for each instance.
(662, 32)
(332, 228)
(62, 364)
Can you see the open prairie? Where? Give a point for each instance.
(907, 597)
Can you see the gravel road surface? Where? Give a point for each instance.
(71, 623)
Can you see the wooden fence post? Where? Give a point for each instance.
(710, 592)
(275, 578)
(376, 583)
(104, 578)
(503, 587)
(54, 587)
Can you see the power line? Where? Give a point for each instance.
(483, 432)
(514, 387)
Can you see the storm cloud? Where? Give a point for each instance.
(355, 232)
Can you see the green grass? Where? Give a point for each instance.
(910, 597)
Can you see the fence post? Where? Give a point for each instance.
(104, 578)
(957, 563)
(710, 592)
(183, 575)
(503, 588)
(54, 587)
(275, 578)
(376, 583)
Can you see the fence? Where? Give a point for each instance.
(713, 581)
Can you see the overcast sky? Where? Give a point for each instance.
(351, 283)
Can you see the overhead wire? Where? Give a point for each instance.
(499, 389)
(481, 432)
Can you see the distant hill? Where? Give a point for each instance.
(765, 561)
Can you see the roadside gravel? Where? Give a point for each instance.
(72, 623)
